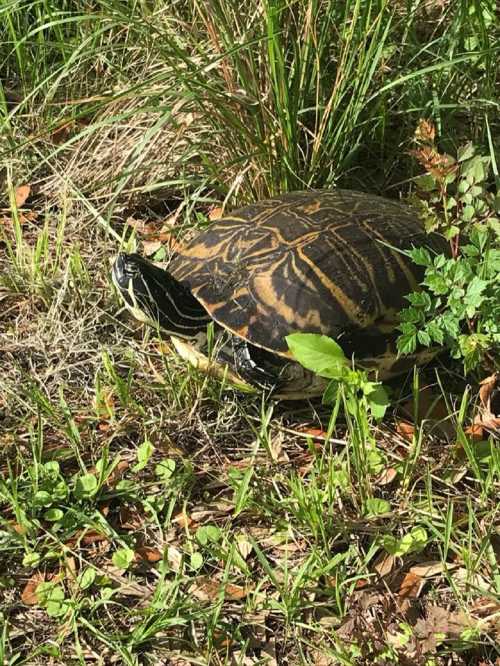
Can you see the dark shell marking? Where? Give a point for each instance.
(306, 261)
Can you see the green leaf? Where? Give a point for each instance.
(465, 152)
(165, 468)
(86, 578)
(421, 256)
(144, 453)
(435, 332)
(468, 213)
(318, 353)
(375, 506)
(86, 486)
(424, 338)
(196, 560)
(377, 398)
(414, 541)
(451, 232)
(53, 515)
(331, 393)
(407, 343)
(42, 498)
(426, 183)
(123, 558)
(208, 533)
(31, 560)
(51, 596)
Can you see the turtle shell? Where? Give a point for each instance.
(315, 262)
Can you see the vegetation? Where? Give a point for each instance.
(149, 514)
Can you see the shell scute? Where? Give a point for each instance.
(318, 262)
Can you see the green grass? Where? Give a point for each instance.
(149, 514)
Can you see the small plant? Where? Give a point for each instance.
(459, 306)
(325, 357)
(361, 398)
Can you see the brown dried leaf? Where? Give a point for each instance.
(147, 554)
(28, 595)
(405, 430)
(117, 473)
(216, 213)
(386, 477)
(439, 624)
(425, 131)
(141, 226)
(384, 564)
(151, 246)
(183, 520)
(429, 569)
(21, 194)
(93, 536)
(129, 518)
(206, 589)
(411, 586)
(487, 388)
(475, 432)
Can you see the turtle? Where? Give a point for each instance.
(330, 262)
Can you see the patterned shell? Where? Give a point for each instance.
(316, 262)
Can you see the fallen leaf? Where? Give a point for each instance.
(384, 564)
(215, 213)
(405, 430)
(117, 473)
(147, 554)
(386, 477)
(93, 536)
(17, 527)
(487, 391)
(411, 586)
(438, 625)
(129, 518)
(174, 558)
(28, 595)
(21, 194)
(140, 226)
(206, 589)
(315, 433)
(183, 520)
(151, 246)
(475, 432)
(429, 569)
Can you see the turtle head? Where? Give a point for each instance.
(155, 297)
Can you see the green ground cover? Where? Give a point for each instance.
(148, 513)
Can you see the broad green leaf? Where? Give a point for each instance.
(317, 353)
(144, 453)
(31, 559)
(123, 558)
(468, 213)
(421, 256)
(465, 152)
(53, 515)
(424, 338)
(196, 560)
(86, 578)
(86, 486)
(375, 506)
(407, 343)
(378, 400)
(165, 468)
(413, 541)
(208, 533)
(42, 498)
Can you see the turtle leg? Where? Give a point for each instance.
(256, 365)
